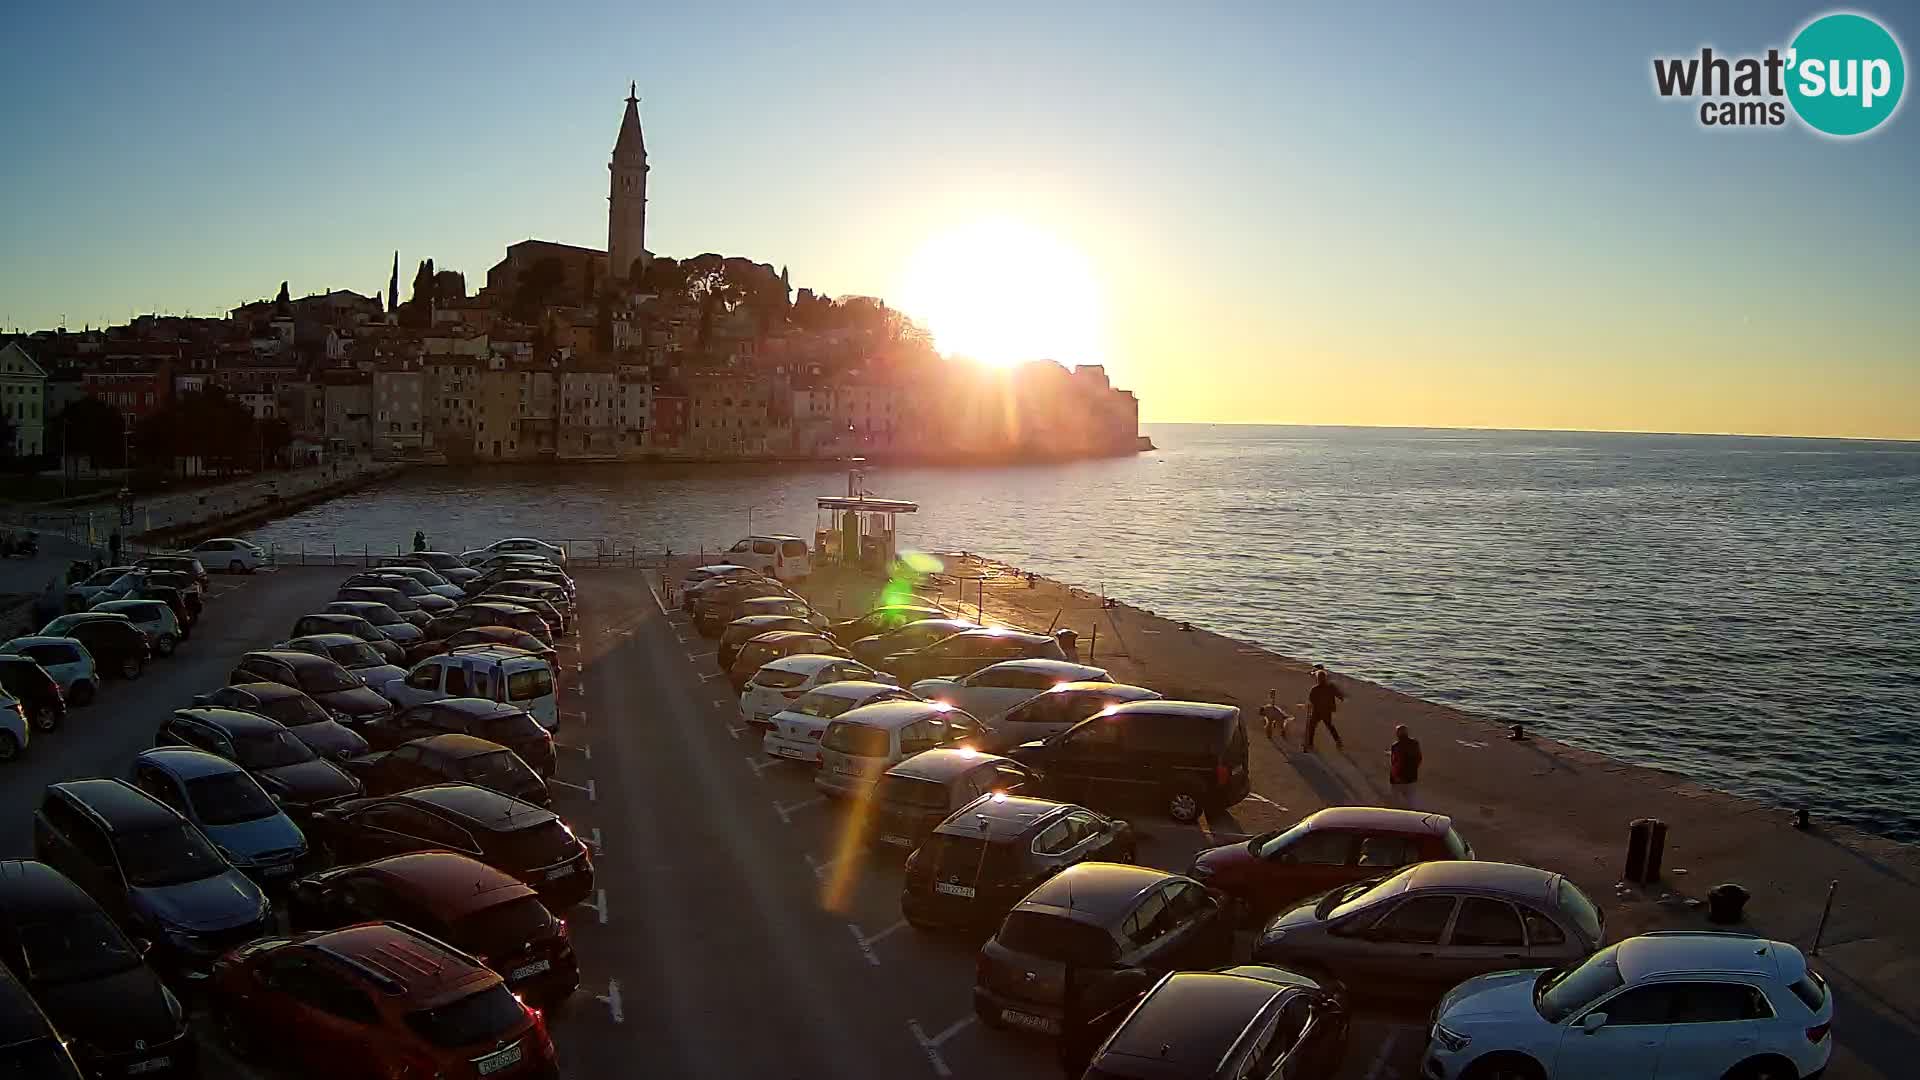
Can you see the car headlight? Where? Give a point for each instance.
(1452, 1040)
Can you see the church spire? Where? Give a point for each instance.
(631, 141)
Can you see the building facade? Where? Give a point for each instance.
(23, 400)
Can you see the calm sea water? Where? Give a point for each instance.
(1743, 610)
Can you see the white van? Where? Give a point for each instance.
(494, 672)
(783, 558)
(862, 744)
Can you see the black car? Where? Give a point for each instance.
(342, 693)
(469, 615)
(424, 598)
(968, 651)
(183, 564)
(446, 564)
(914, 797)
(152, 871)
(713, 608)
(558, 619)
(309, 721)
(286, 767)
(440, 759)
(29, 1047)
(744, 629)
(914, 635)
(175, 600)
(983, 859)
(881, 620)
(1253, 1021)
(1184, 757)
(118, 646)
(191, 594)
(451, 897)
(495, 721)
(530, 844)
(400, 602)
(389, 649)
(1095, 918)
(39, 693)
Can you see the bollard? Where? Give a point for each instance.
(1821, 929)
(1646, 842)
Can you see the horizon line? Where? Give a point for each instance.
(1914, 439)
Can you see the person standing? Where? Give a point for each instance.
(1322, 700)
(1403, 766)
(419, 540)
(113, 548)
(1274, 716)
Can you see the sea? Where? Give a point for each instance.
(1744, 611)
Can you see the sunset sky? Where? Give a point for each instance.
(1363, 215)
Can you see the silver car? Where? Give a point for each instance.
(151, 617)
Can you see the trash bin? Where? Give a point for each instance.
(1726, 903)
(1646, 844)
(1069, 643)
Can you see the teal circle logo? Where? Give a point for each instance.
(1845, 74)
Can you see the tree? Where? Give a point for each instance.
(282, 303)
(423, 284)
(449, 285)
(91, 428)
(274, 436)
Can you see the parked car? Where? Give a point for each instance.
(342, 693)
(1336, 846)
(152, 618)
(111, 1009)
(522, 571)
(377, 999)
(29, 1046)
(984, 858)
(422, 597)
(228, 805)
(446, 564)
(1664, 1006)
(495, 672)
(1049, 713)
(440, 759)
(744, 629)
(15, 732)
(1184, 757)
(791, 606)
(1251, 1021)
(64, 658)
(390, 651)
(795, 732)
(521, 839)
(714, 604)
(292, 773)
(80, 595)
(226, 553)
(495, 721)
(761, 650)
(117, 646)
(37, 692)
(393, 598)
(778, 556)
(152, 871)
(780, 682)
(429, 579)
(454, 899)
(529, 593)
(513, 558)
(915, 796)
(349, 652)
(185, 564)
(558, 622)
(380, 616)
(871, 651)
(186, 613)
(194, 588)
(968, 651)
(519, 545)
(862, 744)
(700, 574)
(994, 689)
(491, 613)
(881, 620)
(1098, 916)
(727, 589)
(123, 587)
(1434, 925)
(489, 635)
(309, 721)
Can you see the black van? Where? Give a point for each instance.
(1186, 757)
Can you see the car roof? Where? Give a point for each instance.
(774, 637)
(473, 706)
(454, 744)
(891, 714)
(1192, 1018)
(30, 886)
(479, 806)
(1059, 669)
(805, 663)
(717, 568)
(500, 654)
(40, 639)
(128, 605)
(1002, 817)
(186, 763)
(851, 689)
(293, 658)
(999, 632)
(1095, 889)
(1380, 818)
(1693, 952)
(124, 805)
(494, 605)
(1510, 878)
(268, 691)
(748, 622)
(451, 884)
(1203, 710)
(404, 961)
(237, 721)
(1121, 690)
(942, 764)
(328, 640)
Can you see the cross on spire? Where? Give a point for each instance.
(633, 92)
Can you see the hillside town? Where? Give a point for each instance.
(565, 353)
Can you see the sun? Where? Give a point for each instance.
(1001, 291)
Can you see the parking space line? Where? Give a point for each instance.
(584, 749)
(761, 764)
(592, 796)
(734, 730)
(711, 675)
(786, 812)
(702, 656)
(866, 941)
(1386, 1051)
(931, 1047)
(595, 842)
(598, 904)
(819, 868)
(611, 999)
(721, 703)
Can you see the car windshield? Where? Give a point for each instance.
(381, 614)
(1268, 846)
(484, 1017)
(48, 655)
(85, 946)
(1365, 894)
(324, 679)
(529, 683)
(499, 767)
(105, 577)
(269, 750)
(502, 928)
(856, 740)
(405, 584)
(1052, 937)
(824, 706)
(173, 855)
(912, 791)
(294, 711)
(1564, 991)
(537, 845)
(228, 799)
(357, 654)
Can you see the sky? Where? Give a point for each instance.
(1470, 215)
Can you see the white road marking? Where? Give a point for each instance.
(702, 655)
(761, 764)
(1257, 797)
(595, 842)
(819, 868)
(786, 812)
(1473, 745)
(866, 947)
(584, 749)
(611, 999)
(721, 703)
(1386, 1050)
(932, 1046)
(599, 904)
(573, 717)
(681, 638)
(661, 604)
(711, 675)
(734, 730)
(592, 796)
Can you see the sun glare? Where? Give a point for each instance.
(1001, 291)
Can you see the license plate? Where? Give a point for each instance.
(845, 769)
(149, 1065)
(505, 1059)
(559, 872)
(784, 752)
(965, 892)
(281, 870)
(897, 841)
(538, 967)
(1016, 1018)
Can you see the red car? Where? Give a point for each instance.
(376, 1000)
(1337, 846)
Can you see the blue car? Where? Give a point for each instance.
(228, 805)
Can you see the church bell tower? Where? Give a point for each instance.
(627, 196)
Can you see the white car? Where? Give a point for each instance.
(795, 731)
(125, 587)
(994, 689)
(226, 553)
(1663, 1006)
(83, 593)
(779, 683)
(517, 545)
(64, 658)
(13, 727)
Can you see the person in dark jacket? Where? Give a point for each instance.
(1322, 700)
(419, 540)
(1403, 766)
